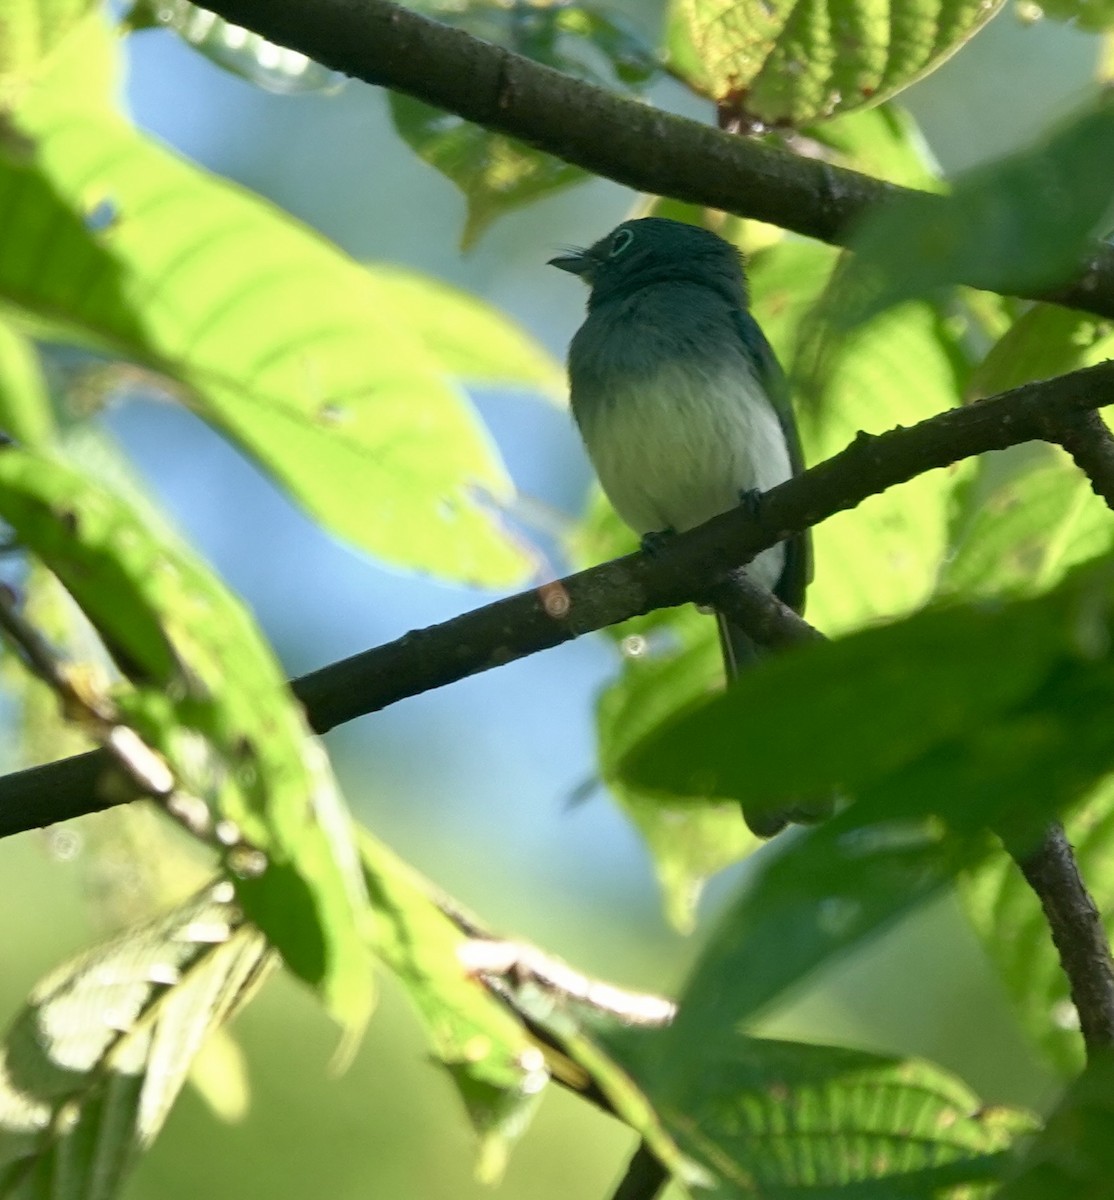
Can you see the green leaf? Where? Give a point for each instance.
(1074, 1155)
(1043, 342)
(1093, 16)
(31, 31)
(880, 559)
(884, 142)
(784, 1119)
(1014, 931)
(668, 658)
(92, 1065)
(467, 337)
(495, 173)
(837, 886)
(576, 39)
(281, 341)
(25, 411)
(779, 63)
(665, 667)
(207, 693)
(274, 68)
(497, 1069)
(1025, 518)
(1052, 200)
(943, 712)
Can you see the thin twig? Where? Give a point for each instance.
(687, 567)
(521, 963)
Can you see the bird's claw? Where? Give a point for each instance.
(751, 501)
(653, 543)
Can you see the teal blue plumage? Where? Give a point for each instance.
(681, 402)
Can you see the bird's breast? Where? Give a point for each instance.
(676, 422)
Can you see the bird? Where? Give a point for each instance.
(683, 408)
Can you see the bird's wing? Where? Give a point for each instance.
(797, 572)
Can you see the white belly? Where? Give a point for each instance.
(723, 439)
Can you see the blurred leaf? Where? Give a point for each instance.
(777, 63)
(1024, 519)
(495, 173)
(881, 558)
(244, 53)
(576, 39)
(784, 1119)
(943, 712)
(625, 1096)
(93, 1064)
(498, 1071)
(280, 338)
(668, 658)
(1092, 16)
(1074, 1154)
(32, 29)
(885, 142)
(831, 888)
(25, 412)
(207, 693)
(469, 338)
(1015, 936)
(1043, 342)
(219, 1075)
(689, 841)
(1019, 225)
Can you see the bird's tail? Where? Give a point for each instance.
(740, 651)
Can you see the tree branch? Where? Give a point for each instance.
(1078, 933)
(687, 567)
(605, 133)
(1085, 436)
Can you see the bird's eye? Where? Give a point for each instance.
(620, 242)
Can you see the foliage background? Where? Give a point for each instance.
(475, 784)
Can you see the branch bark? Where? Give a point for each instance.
(605, 133)
(1078, 933)
(687, 567)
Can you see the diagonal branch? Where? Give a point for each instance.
(688, 567)
(607, 134)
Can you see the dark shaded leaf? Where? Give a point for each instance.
(1052, 201)
(1074, 1155)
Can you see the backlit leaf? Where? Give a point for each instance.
(93, 1064)
(206, 692)
(780, 63)
(281, 341)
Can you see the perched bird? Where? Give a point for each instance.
(682, 405)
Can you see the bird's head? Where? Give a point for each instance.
(653, 250)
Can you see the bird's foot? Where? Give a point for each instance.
(654, 543)
(751, 501)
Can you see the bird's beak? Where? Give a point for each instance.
(576, 262)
